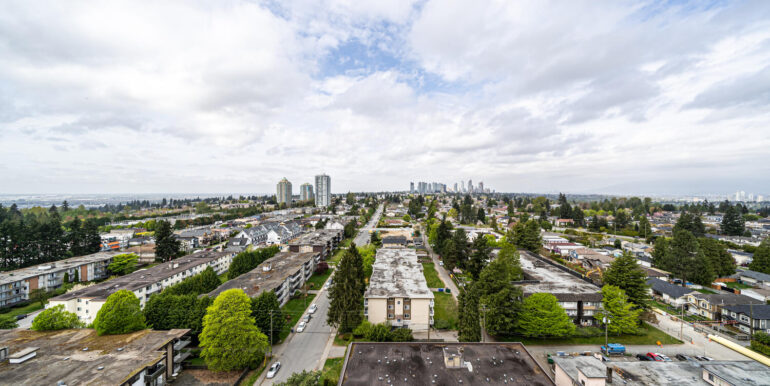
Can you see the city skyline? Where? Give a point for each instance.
(647, 98)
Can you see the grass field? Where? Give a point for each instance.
(32, 307)
(294, 308)
(222, 277)
(337, 256)
(445, 308)
(737, 285)
(651, 335)
(431, 276)
(318, 279)
(332, 370)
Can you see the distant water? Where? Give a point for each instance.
(94, 200)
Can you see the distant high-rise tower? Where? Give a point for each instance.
(481, 186)
(306, 192)
(411, 187)
(470, 186)
(462, 183)
(283, 192)
(455, 190)
(323, 190)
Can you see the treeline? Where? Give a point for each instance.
(37, 236)
(248, 260)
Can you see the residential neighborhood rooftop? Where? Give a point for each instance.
(396, 272)
(41, 269)
(268, 275)
(316, 237)
(670, 289)
(432, 363)
(554, 280)
(80, 356)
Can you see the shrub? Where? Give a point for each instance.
(120, 314)
(55, 318)
(441, 324)
(401, 335)
(379, 333)
(363, 329)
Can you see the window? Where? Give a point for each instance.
(390, 306)
(390, 316)
(78, 308)
(78, 300)
(406, 306)
(407, 316)
(711, 377)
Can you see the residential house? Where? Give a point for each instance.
(709, 305)
(756, 317)
(753, 278)
(669, 293)
(394, 242)
(741, 257)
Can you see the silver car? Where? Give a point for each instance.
(273, 370)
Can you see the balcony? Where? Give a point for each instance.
(431, 312)
(431, 304)
(181, 343)
(178, 358)
(155, 371)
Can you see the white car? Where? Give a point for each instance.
(313, 308)
(273, 369)
(665, 358)
(301, 326)
(441, 263)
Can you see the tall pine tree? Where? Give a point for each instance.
(347, 292)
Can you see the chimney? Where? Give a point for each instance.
(609, 375)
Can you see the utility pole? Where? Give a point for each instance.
(751, 320)
(606, 321)
(271, 333)
(484, 321)
(681, 324)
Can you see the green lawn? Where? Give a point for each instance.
(337, 256)
(445, 308)
(651, 335)
(223, 277)
(332, 371)
(737, 285)
(318, 279)
(32, 307)
(294, 308)
(676, 311)
(431, 276)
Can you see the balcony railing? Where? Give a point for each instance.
(182, 343)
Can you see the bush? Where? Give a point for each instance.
(441, 324)
(401, 335)
(760, 348)
(120, 314)
(379, 333)
(322, 267)
(55, 318)
(363, 329)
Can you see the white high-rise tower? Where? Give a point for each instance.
(323, 191)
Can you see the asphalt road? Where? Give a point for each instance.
(27, 322)
(363, 235)
(443, 274)
(303, 350)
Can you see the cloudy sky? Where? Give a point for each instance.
(231, 96)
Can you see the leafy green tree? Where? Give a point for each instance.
(347, 292)
(379, 332)
(626, 274)
(497, 292)
(55, 318)
(165, 311)
(375, 239)
(481, 216)
(623, 318)
(230, 338)
(167, 246)
(363, 329)
(305, 378)
(266, 310)
(469, 324)
(39, 295)
(715, 251)
(479, 257)
(543, 316)
(120, 314)
(7, 322)
(401, 335)
(123, 264)
(248, 260)
(761, 259)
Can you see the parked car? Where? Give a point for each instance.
(643, 358)
(654, 357)
(20, 317)
(301, 326)
(306, 319)
(313, 308)
(441, 263)
(273, 369)
(663, 357)
(614, 349)
(682, 357)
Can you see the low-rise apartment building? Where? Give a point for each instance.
(579, 297)
(284, 274)
(86, 302)
(16, 285)
(398, 293)
(709, 305)
(323, 241)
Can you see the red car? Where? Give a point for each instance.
(654, 357)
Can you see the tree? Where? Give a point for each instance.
(347, 292)
(165, 311)
(204, 282)
(498, 293)
(7, 322)
(527, 236)
(442, 235)
(626, 274)
(469, 326)
(39, 295)
(618, 244)
(542, 316)
(120, 314)
(620, 312)
(715, 251)
(55, 318)
(248, 260)
(123, 264)
(645, 229)
(379, 332)
(481, 216)
(761, 259)
(375, 239)
(230, 338)
(659, 252)
(685, 259)
(92, 242)
(401, 335)
(65, 206)
(166, 244)
(456, 250)
(479, 256)
(565, 210)
(690, 222)
(266, 310)
(732, 222)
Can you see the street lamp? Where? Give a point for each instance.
(606, 321)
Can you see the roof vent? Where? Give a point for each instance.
(85, 348)
(120, 348)
(100, 368)
(23, 355)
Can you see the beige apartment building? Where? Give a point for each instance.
(398, 293)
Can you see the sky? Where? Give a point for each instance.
(616, 97)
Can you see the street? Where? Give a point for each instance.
(27, 321)
(303, 350)
(442, 272)
(363, 235)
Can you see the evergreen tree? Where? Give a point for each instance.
(469, 327)
(479, 257)
(263, 308)
(347, 292)
(496, 291)
(461, 248)
(721, 261)
(732, 222)
(166, 245)
(230, 338)
(620, 312)
(442, 235)
(761, 259)
(626, 274)
(645, 230)
(75, 237)
(92, 242)
(659, 252)
(542, 316)
(690, 222)
(527, 236)
(481, 216)
(65, 206)
(565, 210)
(165, 311)
(685, 259)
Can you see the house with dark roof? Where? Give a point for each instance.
(393, 241)
(709, 305)
(754, 278)
(748, 316)
(669, 293)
